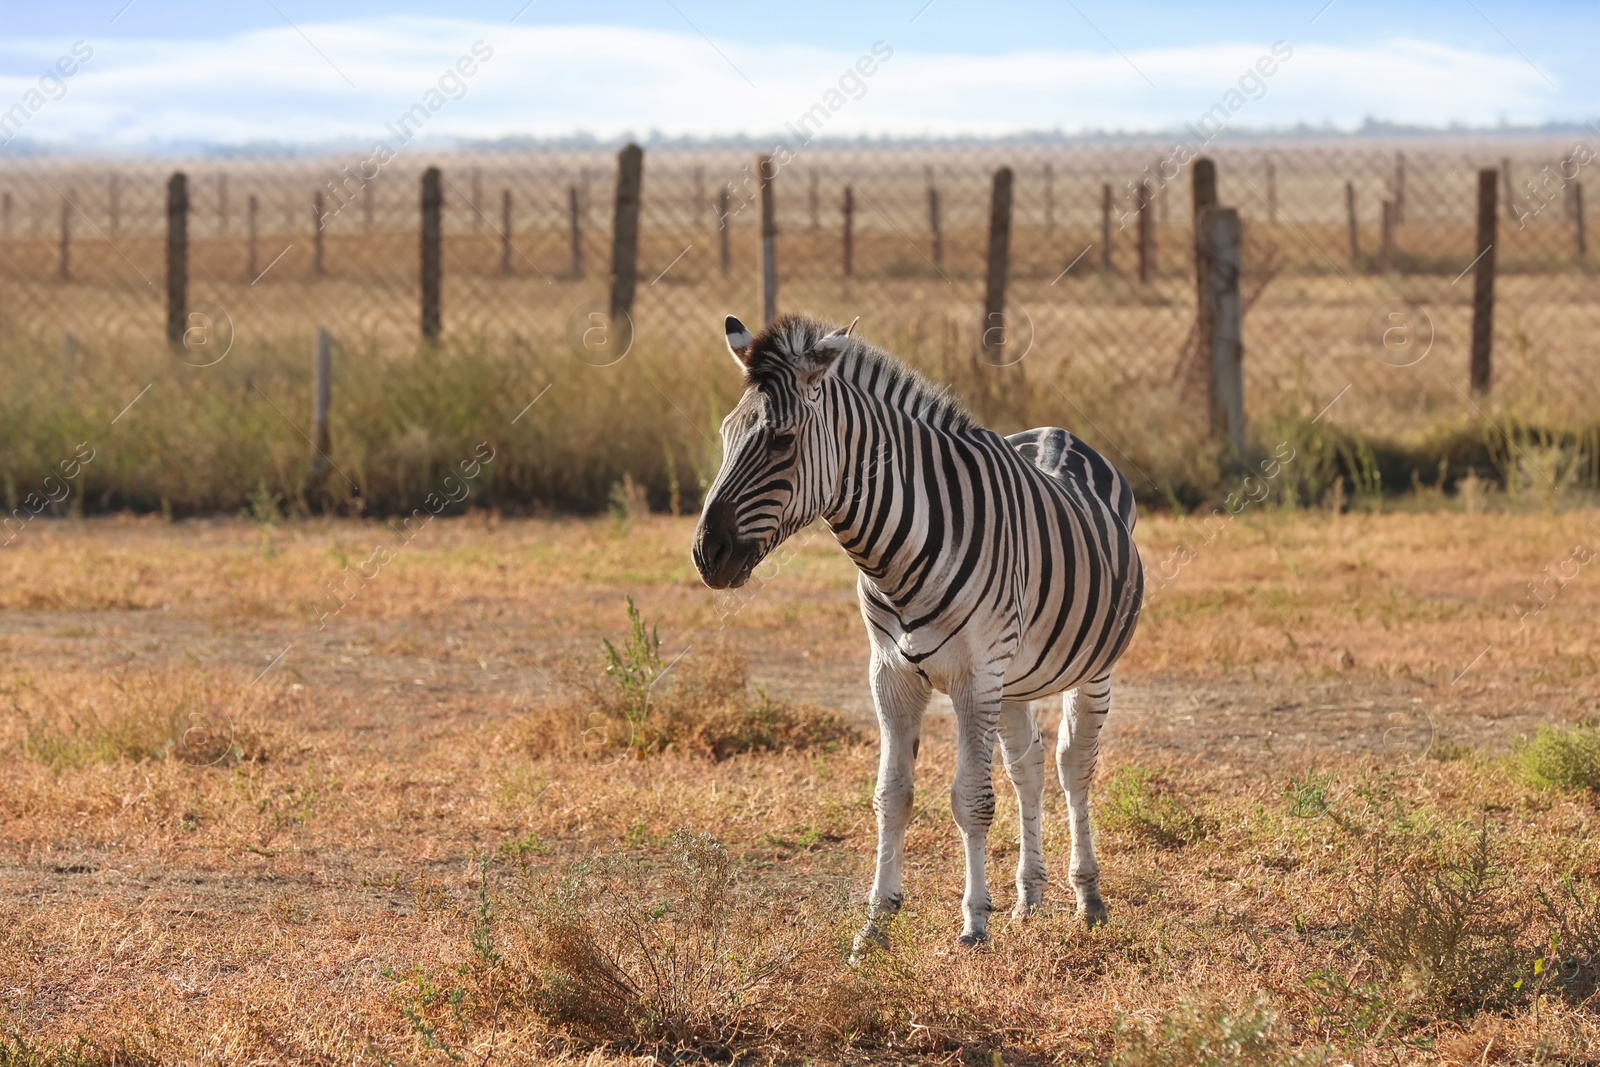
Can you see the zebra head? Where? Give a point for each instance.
(779, 458)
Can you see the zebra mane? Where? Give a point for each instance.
(790, 338)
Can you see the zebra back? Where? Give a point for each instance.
(1073, 463)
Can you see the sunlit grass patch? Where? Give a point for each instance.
(1562, 758)
(1210, 1032)
(199, 720)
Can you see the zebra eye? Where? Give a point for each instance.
(782, 442)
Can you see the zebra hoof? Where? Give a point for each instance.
(870, 939)
(975, 940)
(1093, 912)
(1024, 908)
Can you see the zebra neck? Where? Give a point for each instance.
(879, 511)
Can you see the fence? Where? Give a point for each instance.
(1113, 288)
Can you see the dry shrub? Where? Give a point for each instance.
(17, 1051)
(1572, 913)
(1451, 930)
(1209, 1033)
(700, 703)
(679, 954)
(199, 720)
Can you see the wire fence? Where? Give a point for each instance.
(1357, 280)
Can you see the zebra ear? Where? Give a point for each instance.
(826, 351)
(739, 340)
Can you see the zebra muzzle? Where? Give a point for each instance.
(722, 558)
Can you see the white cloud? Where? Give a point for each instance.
(273, 85)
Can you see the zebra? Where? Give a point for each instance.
(996, 570)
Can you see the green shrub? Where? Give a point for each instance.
(1308, 797)
(1562, 758)
(1205, 1034)
(1139, 801)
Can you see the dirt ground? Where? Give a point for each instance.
(251, 773)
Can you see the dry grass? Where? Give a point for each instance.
(1319, 841)
(636, 705)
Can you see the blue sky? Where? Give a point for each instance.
(173, 71)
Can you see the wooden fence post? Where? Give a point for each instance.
(933, 221)
(252, 210)
(722, 230)
(505, 231)
(1203, 183)
(321, 398)
(1203, 180)
(994, 293)
(1146, 238)
(577, 232)
(769, 241)
(625, 245)
(177, 257)
(1350, 221)
(65, 266)
(1399, 187)
(1049, 200)
(317, 263)
(849, 229)
(1227, 335)
(1105, 227)
(1483, 284)
(1577, 218)
(1386, 239)
(432, 259)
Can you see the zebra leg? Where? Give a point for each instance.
(977, 707)
(900, 696)
(1077, 750)
(1024, 757)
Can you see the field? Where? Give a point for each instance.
(292, 771)
(318, 791)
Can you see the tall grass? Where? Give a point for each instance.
(202, 439)
(166, 436)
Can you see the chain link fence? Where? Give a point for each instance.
(1357, 281)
